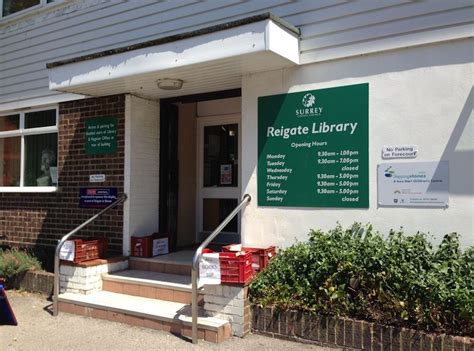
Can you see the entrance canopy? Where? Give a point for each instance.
(209, 59)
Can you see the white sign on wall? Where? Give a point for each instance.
(399, 151)
(413, 184)
(97, 178)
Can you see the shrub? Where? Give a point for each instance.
(14, 262)
(399, 279)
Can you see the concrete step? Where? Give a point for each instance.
(154, 285)
(144, 312)
(175, 263)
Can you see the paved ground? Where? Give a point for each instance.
(38, 330)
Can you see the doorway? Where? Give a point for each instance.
(199, 167)
(218, 175)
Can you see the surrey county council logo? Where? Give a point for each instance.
(309, 100)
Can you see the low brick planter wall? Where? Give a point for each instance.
(36, 281)
(349, 333)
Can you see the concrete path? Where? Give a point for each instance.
(37, 330)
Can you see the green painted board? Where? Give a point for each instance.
(313, 148)
(101, 135)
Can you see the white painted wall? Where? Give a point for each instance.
(141, 182)
(219, 107)
(421, 96)
(330, 29)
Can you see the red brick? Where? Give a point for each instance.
(30, 219)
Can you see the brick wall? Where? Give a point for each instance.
(32, 219)
(350, 334)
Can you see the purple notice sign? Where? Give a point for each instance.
(97, 197)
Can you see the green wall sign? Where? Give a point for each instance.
(313, 148)
(101, 135)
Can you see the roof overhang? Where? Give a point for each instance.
(210, 59)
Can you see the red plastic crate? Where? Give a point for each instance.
(89, 249)
(236, 267)
(143, 246)
(260, 256)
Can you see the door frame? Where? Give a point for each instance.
(168, 173)
(229, 192)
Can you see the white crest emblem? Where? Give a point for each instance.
(308, 100)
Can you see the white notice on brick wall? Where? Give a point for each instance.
(67, 251)
(210, 269)
(96, 178)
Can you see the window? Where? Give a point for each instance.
(10, 7)
(28, 150)
(221, 155)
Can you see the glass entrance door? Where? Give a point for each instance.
(218, 176)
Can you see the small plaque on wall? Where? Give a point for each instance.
(101, 136)
(413, 184)
(97, 178)
(399, 151)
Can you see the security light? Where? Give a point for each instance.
(169, 84)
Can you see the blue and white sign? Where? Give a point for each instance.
(413, 184)
(97, 197)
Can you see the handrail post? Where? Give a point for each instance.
(63, 240)
(56, 285)
(195, 267)
(194, 305)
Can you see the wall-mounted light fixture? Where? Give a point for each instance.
(169, 84)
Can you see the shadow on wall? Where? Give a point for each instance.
(74, 166)
(459, 150)
(24, 217)
(461, 157)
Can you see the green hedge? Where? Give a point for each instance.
(356, 272)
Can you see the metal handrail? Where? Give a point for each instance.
(121, 199)
(197, 257)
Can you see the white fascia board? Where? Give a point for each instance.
(281, 42)
(253, 38)
(38, 101)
